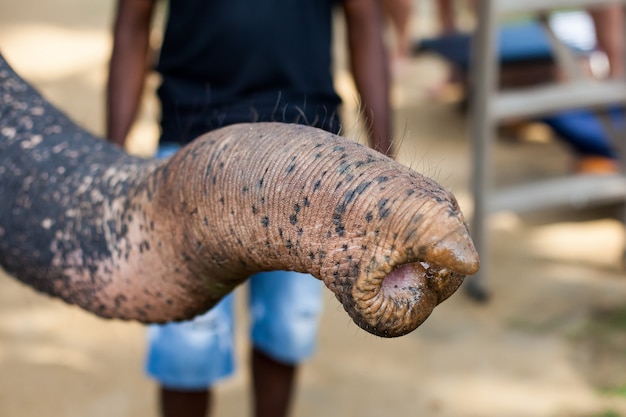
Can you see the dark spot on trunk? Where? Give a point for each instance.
(417, 218)
(119, 300)
(383, 211)
(343, 168)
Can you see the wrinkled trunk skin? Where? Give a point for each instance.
(158, 241)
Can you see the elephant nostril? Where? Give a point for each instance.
(406, 281)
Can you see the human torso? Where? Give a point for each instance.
(230, 61)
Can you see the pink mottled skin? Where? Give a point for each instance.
(224, 208)
(165, 240)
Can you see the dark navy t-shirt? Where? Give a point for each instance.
(230, 61)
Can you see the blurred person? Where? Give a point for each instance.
(225, 62)
(583, 130)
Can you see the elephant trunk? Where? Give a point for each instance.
(390, 243)
(164, 240)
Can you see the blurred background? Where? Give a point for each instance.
(550, 342)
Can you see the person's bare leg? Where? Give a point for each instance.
(609, 23)
(447, 19)
(399, 14)
(175, 403)
(273, 384)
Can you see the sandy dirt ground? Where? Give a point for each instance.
(550, 343)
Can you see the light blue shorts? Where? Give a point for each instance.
(285, 309)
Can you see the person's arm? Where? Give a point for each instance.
(128, 66)
(369, 64)
(609, 23)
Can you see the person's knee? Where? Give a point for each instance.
(285, 318)
(290, 341)
(194, 354)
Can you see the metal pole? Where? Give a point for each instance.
(483, 83)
